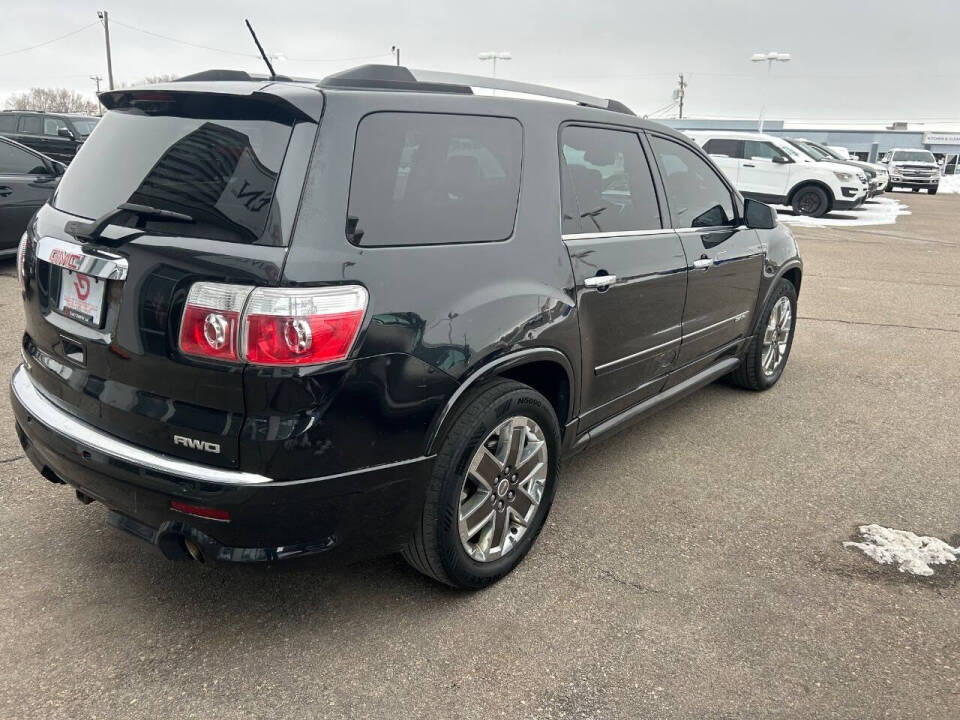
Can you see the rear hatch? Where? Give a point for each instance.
(221, 175)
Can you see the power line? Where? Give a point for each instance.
(241, 54)
(47, 42)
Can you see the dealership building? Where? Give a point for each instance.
(865, 144)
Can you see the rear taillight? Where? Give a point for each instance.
(22, 249)
(272, 326)
(211, 321)
(302, 326)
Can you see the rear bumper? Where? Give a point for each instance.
(364, 512)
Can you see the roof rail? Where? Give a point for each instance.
(392, 77)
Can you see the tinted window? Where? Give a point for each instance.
(760, 150)
(8, 122)
(697, 195)
(427, 179)
(14, 161)
(611, 180)
(222, 171)
(84, 127)
(914, 156)
(723, 146)
(30, 124)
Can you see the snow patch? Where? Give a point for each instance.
(949, 184)
(912, 553)
(878, 211)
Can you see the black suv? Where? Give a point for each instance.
(56, 135)
(272, 318)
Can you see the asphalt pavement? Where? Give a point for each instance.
(692, 566)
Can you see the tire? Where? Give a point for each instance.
(435, 547)
(751, 373)
(932, 191)
(916, 189)
(889, 187)
(810, 200)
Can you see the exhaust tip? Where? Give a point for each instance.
(193, 550)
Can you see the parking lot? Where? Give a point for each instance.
(692, 566)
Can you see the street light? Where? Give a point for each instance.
(769, 58)
(495, 56)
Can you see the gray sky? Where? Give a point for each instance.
(864, 60)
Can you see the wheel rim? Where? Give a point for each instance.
(502, 489)
(809, 203)
(776, 337)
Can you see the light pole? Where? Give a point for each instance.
(770, 58)
(495, 56)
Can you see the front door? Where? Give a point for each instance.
(725, 257)
(764, 171)
(630, 269)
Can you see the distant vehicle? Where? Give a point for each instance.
(27, 180)
(840, 152)
(912, 169)
(56, 135)
(876, 174)
(769, 169)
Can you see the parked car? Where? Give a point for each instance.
(56, 135)
(877, 176)
(769, 169)
(27, 180)
(268, 319)
(913, 169)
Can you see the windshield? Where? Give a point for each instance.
(914, 156)
(808, 150)
(85, 127)
(792, 151)
(222, 172)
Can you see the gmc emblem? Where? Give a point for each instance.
(69, 260)
(195, 444)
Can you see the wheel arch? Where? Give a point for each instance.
(546, 370)
(792, 272)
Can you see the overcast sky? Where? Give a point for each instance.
(864, 60)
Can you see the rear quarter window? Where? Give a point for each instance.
(430, 179)
(8, 122)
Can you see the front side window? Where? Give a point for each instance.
(760, 150)
(14, 161)
(695, 192)
(610, 178)
(51, 126)
(724, 147)
(431, 178)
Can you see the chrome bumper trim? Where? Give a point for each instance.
(67, 426)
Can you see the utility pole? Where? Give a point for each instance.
(681, 91)
(97, 79)
(105, 19)
(395, 49)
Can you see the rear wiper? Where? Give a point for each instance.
(93, 231)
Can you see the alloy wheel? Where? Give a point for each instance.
(502, 489)
(776, 336)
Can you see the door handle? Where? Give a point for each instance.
(5, 190)
(600, 281)
(749, 165)
(703, 263)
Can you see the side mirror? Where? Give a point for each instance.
(758, 215)
(781, 160)
(65, 133)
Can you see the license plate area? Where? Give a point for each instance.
(81, 297)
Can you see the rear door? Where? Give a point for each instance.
(25, 184)
(103, 318)
(764, 170)
(725, 257)
(726, 153)
(629, 268)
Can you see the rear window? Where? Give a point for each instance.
(428, 179)
(221, 171)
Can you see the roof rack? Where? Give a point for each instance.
(392, 77)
